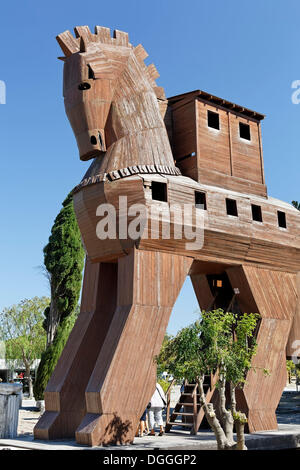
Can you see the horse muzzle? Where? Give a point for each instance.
(91, 144)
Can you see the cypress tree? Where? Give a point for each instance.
(51, 355)
(64, 260)
(296, 204)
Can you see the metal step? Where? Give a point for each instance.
(188, 404)
(182, 414)
(179, 423)
(190, 385)
(205, 387)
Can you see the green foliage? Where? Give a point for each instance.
(290, 367)
(21, 327)
(164, 384)
(241, 349)
(64, 260)
(222, 344)
(179, 353)
(160, 362)
(219, 340)
(52, 354)
(240, 417)
(296, 204)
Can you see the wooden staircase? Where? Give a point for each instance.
(188, 406)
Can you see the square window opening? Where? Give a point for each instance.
(159, 191)
(200, 200)
(213, 120)
(231, 207)
(281, 219)
(256, 213)
(245, 131)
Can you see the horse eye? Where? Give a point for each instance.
(84, 86)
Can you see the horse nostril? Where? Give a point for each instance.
(84, 86)
(93, 140)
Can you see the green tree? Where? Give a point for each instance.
(296, 204)
(64, 260)
(161, 363)
(291, 369)
(52, 354)
(21, 327)
(220, 342)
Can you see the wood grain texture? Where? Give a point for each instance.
(123, 379)
(237, 163)
(293, 345)
(273, 295)
(65, 392)
(227, 239)
(202, 291)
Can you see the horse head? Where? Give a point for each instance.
(111, 100)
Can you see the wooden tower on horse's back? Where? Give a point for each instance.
(196, 160)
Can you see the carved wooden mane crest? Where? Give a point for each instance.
(89, 43)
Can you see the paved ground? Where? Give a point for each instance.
(288, 411)
(28, 416)
(287, 436)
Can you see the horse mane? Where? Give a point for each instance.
(84, 40)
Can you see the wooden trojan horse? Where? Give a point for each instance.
(251, 249)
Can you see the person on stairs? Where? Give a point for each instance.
(157, 404)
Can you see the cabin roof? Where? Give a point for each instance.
(215, 100)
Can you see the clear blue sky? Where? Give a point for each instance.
(245, 52)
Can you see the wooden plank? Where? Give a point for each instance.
(140, 52)
(121, 38)
(84, 33)
(292, 348)
(103, 34)
(202, 291)
(139, 310)
(65, 392)
(271, 294)
(68, 43)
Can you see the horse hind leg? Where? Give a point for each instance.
(273, 295)
(293, 346)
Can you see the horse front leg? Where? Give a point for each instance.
(124, 376)
(65, 392)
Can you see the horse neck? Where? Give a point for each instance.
(135, 130)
